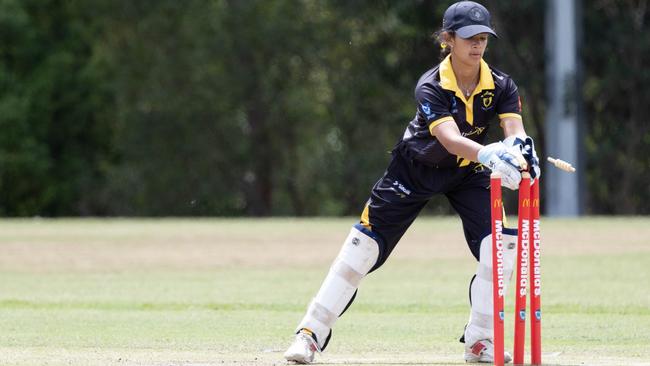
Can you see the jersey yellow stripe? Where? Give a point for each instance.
(509, 115)
(439, 121)
(469, 109)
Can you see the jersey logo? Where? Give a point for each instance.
(426, 108)
(497, 76)
(476, 131)
(487, 99)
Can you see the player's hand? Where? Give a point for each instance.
(527, 148)
(508, 162)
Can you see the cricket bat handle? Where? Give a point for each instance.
(561, 164)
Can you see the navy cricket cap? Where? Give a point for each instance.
(467, 19)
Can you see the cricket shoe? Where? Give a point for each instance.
(483, 351)
(303, 348)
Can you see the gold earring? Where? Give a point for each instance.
(443, 45)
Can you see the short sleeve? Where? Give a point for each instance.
(509, 104)
(433, 106)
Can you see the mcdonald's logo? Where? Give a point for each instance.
(526, 203)
(536, 202)
(497, 203)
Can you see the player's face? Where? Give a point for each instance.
(470, 50)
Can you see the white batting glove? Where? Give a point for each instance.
(508, 162)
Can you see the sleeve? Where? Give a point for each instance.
(509, 104)
(433, 106)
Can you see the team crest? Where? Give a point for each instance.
(488, 99)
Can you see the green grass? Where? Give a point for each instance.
(129, 292)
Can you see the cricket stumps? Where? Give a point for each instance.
(528, 270)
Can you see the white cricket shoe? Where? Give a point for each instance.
(483, 351)
(302, 350)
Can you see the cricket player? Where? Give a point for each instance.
(443, 151)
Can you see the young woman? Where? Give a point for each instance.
(442, 151)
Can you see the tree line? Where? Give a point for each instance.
(282, 107)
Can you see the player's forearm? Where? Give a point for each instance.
(463, 147)
(513, 127)
(450, 137)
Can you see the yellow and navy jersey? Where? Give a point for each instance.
(440, 100)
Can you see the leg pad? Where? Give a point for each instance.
(480, 323)
(357, 256)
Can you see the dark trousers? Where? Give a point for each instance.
(407, 185)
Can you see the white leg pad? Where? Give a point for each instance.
(480, 325)
(357, 256)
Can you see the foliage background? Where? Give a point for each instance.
(283, 107)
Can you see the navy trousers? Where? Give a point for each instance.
(406, 187)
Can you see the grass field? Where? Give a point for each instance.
(230, 292)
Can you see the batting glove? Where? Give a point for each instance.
(505, 161)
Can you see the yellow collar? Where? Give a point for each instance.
(448, 79)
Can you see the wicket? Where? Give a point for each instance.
(528, 270)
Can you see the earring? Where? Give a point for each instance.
(443, 45)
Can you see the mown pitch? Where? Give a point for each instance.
(217, 292)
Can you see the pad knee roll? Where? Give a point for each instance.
(484, 269)
(357, 256)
